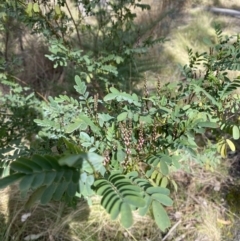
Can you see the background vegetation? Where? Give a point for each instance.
(144, 154)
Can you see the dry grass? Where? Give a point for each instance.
(100, 227)
(209, 229)
(58, 222)
(48, 221)
(187, 29)
(200, 206)
(198, 214)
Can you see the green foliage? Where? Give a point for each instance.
(154, 197)
(119, 195)
(45, 177)
(19, 108)
(123, 146)
(102, 51)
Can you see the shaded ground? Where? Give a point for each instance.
(42, 222)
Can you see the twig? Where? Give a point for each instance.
(197, 201)
(7, 234)
(23, 82)
(129, 233)
(172, 229)
(75, 25)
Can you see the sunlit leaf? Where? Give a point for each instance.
(235, 132)
(231, 145)
(164, 182)
(57, 9)
(36, 8)
(29, 9)
(122, 116)
(208, 124)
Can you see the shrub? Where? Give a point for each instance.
(125, 150)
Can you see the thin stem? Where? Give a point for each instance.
(75, 25)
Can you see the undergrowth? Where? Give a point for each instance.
(129, 149)
(199, 207)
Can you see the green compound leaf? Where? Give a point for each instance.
(81, 123)
(61, 188)
(26, 182)
(235, 132)
(120, 195)
(21, 168)
(161, 190)
(126, 215)
(88, 162)
(49, 177)
(77, 124)
(43, 162)
(164, 167)
(165, 200)
(134, 200)
(208, 124)
(72, 189)
(36, 8)
(8, 180)
(29, 163)
(113, 198)
(160, 216)
(143, 211)
(47, 195)
(81, 86)
(122, 116)
(115, 210)
(35, 196)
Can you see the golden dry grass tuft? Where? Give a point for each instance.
(200, 209)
